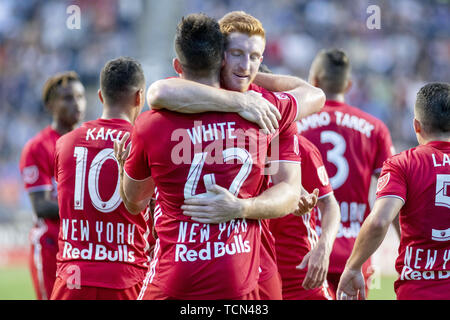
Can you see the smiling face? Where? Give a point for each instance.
(243, 57)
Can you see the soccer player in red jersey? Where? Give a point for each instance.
(245, 45)
(102, 247)
(302, 257)
(64, 97)
(200, 260)
(416, 185)
(353, 145)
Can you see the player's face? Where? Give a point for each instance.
(69, 105)
(243, 56)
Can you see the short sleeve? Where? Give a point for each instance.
(314, 174)
(392, 181)
(34, 170)
(137, 164)
(285, 147)
(385, 148)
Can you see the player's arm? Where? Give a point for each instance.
(135, 194)
(43, 205)
(310, 99)
(185, 96)
(318, 258)
(396, 221)
(369, 239)
(219, 205)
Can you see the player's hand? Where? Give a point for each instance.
(216, 206)
(258, 110)
(317, 261)
(351, 286)
(120, 151)
(306, 203)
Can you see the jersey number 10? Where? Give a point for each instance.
(80, 153)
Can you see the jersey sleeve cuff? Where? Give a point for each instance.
(138, 180)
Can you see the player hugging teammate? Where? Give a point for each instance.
(212, 193)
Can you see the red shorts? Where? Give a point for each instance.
(152, 292)
(321, 293)
(62, 292)
(423, 290)
(270, 289)
(43, 265)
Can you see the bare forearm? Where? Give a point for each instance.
(186, 96)
(275, 82)
(369, 239)
(331, 217)
(275, 202)
(310, 98)
(132, 207)
(43, 205)
(47, 209)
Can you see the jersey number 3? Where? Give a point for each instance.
(336, 157)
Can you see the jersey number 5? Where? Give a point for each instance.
(80, 153)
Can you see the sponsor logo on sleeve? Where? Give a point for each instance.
(281, 95)
(383, 181)
(30, 174)
(323, 176)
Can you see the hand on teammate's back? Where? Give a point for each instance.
(260, 111)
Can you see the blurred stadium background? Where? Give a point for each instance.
(389, 65)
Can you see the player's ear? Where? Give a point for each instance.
(99, 92)
(140, 97)
(349, 85)
(313, 80)
(417, 126)
(177, 66)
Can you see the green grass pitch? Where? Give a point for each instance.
(15, 284)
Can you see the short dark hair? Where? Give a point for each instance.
(57, 80)
(119, 77)
(199, 44)
(433, 107)
(333, 70)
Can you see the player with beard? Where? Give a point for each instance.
(217, 151)
(245, 43)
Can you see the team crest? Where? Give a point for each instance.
(323, 176)
(281, 95)
(30, 174)
(383, 181)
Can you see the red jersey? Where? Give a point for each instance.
(353, 145)
(288, 151)
(97, 234)
(296, 236)
(194, 260)
(420, 177)
(37, 169)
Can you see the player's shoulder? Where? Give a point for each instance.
(37, 141)
(306, 145)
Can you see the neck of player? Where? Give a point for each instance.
(118, 112)
(335, 96)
